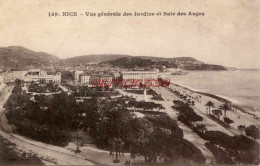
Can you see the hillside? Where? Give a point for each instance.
(20, 57)
(186, 63)
(131, 62)
(170, 59)
(85, 59)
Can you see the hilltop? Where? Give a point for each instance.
(186, 63)
(20, 57)
(85, 59)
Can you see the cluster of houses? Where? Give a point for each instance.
(82, 77)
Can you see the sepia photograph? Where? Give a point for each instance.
(130, 82)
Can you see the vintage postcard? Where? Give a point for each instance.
(129, 82)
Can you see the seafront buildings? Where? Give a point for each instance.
(88, 77)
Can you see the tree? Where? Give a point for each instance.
(102, 120)
(241, 128)
(79, 131)
(18, 82)
(201, 127)
(116, 146)
(253, 132)
(217, 113)
(78, 137)
(225, 107)
(210, 104)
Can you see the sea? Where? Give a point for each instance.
(241, 87)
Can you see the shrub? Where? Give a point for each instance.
(228, 121)
(178, 102)
(219, 121)
(220, 155)
(188, 113)
(9, 156)
(253, 132)
(218, 137)
(157, 97)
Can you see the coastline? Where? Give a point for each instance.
(221, 99)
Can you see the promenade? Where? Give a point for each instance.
(187, 132)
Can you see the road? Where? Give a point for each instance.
(49, 154)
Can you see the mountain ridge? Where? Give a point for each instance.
(19, 56)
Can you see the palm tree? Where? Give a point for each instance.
(202, 128)
(102, 120)
(116, 145)
(225, 107)
(210, 104)
(241, 128)
(217, 113)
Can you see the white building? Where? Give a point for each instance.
(140, 74)
(42, 76)
(77, 74)
(12, 75)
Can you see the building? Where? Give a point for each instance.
(102, 80)
(2, 84)
(84, 79)
(13, 74)
(115, 74)
(132, 78)
(77, 74)
(42, 76)
(140, 75)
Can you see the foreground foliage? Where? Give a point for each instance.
(53, 119)
(10, 156)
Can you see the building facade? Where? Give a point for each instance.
(77, 74)
(42, 76)
(12, 75)
(140, 75)
(84, 79)
(102, 80)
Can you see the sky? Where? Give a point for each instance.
(228, 34)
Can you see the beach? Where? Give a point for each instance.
(240, 87)
(245, 118)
